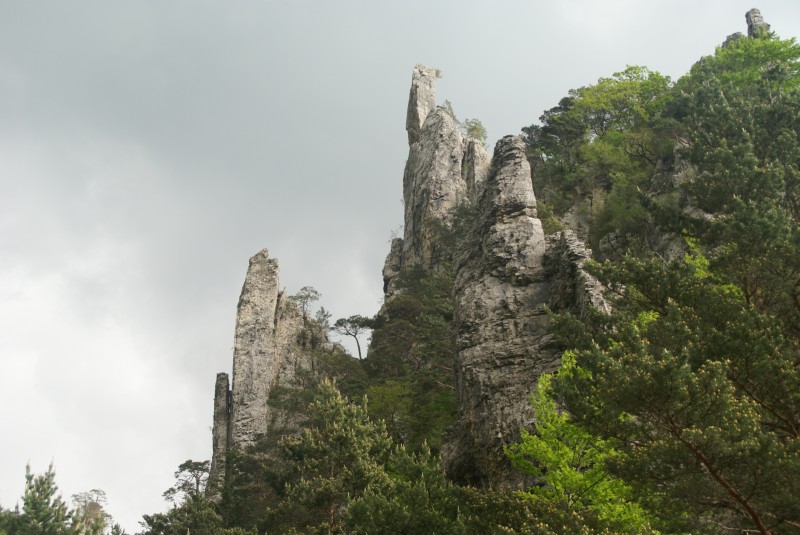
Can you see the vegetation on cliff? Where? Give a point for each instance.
(677, 413)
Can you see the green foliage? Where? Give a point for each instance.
(190, 480)
(415, 499)
(569, 465)
(44, 512)
(304, 299)
(474, 128)
(196, 515)
(338, 455)
(192, 511)
(411, 359)
(550, 223)
(89, 515)
(701, 391)
(353, 326)
(599, 148)
(743, 129)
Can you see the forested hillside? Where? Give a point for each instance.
(678, 412)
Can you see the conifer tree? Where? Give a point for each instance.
(44, 512)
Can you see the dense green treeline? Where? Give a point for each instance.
(696, 374)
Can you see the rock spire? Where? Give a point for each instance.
(444, 168)
(268, 350)
(755, 23)
(503, 338)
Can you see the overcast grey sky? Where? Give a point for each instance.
(149, 148)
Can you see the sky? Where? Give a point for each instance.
(148, 148)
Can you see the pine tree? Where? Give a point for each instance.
(570, 466)
(44, 512)
(339, 456)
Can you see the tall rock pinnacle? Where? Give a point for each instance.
(444, 168)
(255, 360)
(503, 338)
(269, 350)
(506, 275)
(755, 23)
(421, 101)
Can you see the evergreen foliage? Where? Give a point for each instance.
(570, 466)
(44, 512)
(411, 359)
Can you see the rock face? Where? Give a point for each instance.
(755, 23)
(755, 27)
(507, 274)
(571, 288)
(421, 101)
(444, 168)
(221, 429)
(268, 350)
(503, 337)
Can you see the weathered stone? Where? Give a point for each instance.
(571, 288)
(506, 275)
(444, 169)
(270, 348)
(254, 350)
(220, 432)
(503, 337)
(421, 100)
(392, 265)
(755, 23)
(475, 167)
(732, 38)
(432, 186)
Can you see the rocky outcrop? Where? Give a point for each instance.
(507, 276)
(503, 335)
(220, 431)
(271, 347)
(755, 23)
(432, 186)
(444, 169)
(267, 329)
(392, 265)
(756, 27)
(570, 287)
(421, 101)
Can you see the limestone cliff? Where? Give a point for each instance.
(268, 350)
(444, 168)
(502, 330)
(506, 274)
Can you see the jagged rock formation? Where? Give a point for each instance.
(421, 101)
(444, 168)
(507, 274)
(220, 430)
(755, 23)
(571, 288)
(502, 331)
(268, 350)
(755, 27)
